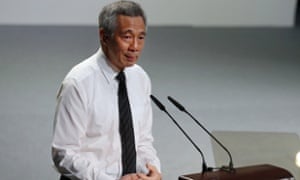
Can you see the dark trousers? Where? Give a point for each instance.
(64, 178)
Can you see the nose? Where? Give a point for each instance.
(135, 45)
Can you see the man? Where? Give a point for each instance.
(88, 141)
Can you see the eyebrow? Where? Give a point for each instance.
(130, 31)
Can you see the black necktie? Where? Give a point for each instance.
(126, 128)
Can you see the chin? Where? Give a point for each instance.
(131, 63)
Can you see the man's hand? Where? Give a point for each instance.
(130, 177)
(152, 175)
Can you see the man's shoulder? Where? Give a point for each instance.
(82, 70)
(137, 69)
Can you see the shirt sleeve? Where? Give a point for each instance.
(69, 127)
(145, 149)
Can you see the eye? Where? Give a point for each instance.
(126, 37)
(141, 37)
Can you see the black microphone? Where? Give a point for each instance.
(230, 167)
(163, 108)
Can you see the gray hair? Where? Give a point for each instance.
(108, 16)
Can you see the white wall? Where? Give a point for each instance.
(160, 12)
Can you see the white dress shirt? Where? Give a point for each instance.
(86, 142)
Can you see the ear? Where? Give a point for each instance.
(103, 36)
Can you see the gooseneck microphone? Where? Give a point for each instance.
(230, 167)
(163, 108)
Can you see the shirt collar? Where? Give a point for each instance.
(106, 67)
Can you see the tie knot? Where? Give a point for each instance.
(121, 76)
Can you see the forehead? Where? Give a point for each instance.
(135, 23)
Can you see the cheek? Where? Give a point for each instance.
(118, 50)
(142, 46)
(123, 46)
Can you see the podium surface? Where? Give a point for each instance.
(257, 172)
(254, 147)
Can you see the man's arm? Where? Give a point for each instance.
(146, 151)
(69, 128)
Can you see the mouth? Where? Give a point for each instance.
(131, 58)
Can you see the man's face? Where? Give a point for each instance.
(127, 43)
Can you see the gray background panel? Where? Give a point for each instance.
(232, 79)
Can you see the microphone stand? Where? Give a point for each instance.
(228, 168)
(162, 108)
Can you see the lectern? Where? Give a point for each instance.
(256, 172)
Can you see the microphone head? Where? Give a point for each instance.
(177, 104)
(158, 103)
